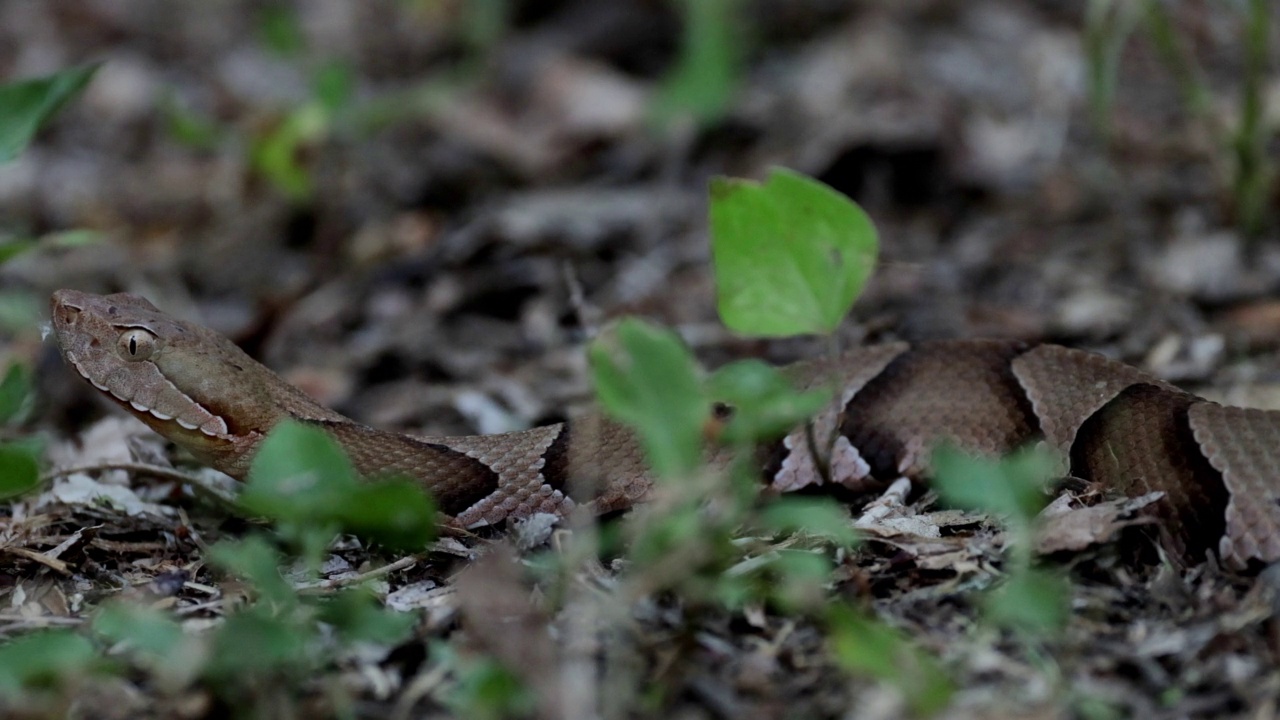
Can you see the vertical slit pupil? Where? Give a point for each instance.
(133, 345)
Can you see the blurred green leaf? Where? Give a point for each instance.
(13, 247)
(253, 642)
(187, 126)
(145, 629)
(483, 23)
(359, 617)
(865, 646)
(155, 639)
(764, 403)
(1034, 601)
(487, 691)
(44, 659)
(278, 154)
(258, 563)
(1091, 707)
(818, 517)
(333, 85)
(19, 470)
(19, 312)
(73, 238)
(1108, 25)
(681, 527)
(280, 31)
(802, 578)
(16, 394)
(708, 71)
(1013, 486)
(646, 378)
(302, 479)
(395, 513)
(790, 255)
(26, 105)
(299, 474)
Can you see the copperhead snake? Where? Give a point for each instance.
(1120, 427)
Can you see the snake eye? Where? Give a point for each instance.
(136, 344)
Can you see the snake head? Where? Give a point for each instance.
(187, 383)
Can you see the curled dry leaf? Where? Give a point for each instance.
(1078, 528)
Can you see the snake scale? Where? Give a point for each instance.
(1128, 431)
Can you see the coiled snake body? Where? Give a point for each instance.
(1219, 467)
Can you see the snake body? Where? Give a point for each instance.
(1219, 467)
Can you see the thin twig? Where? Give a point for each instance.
(323, 586)
(197, 483)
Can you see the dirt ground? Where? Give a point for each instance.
(432, 254)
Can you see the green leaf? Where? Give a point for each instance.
(16, 394)
(155, 640)
(26, 105)
(19, 470)
(645, 377)
(395, 513)
(299, 474)
(819, 517)
(44, 659)
(865, 646)
(257, 562)
(802, 576)
(790, 255)
(483, 23)
(1013, 486)
(278, 155)
(13, 247)
(486, 690)
(333, 85)
(253, 642)
(861, 644)
(187, 126)
(682, 527)
(708, 72)
(764, 403)
(359, 617)
(19, 311)
(145, 629)
(81, 237)
(1034, 601)
(280, 30)
(302, 479)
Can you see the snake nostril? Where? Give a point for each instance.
(68, 315)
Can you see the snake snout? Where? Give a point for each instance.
(66, 306)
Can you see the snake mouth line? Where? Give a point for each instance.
(219, 430)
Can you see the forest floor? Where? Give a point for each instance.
(420, 214)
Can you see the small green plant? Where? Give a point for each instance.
(482, 687)
(1032, 601)
(1245, 161)
(791, 255)
(276, 641)
(648, 380)
(278, 150)
(279, 154)
(301, 479)
(867, 647)
(45, 661)
(708, 70)
(27, 105)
